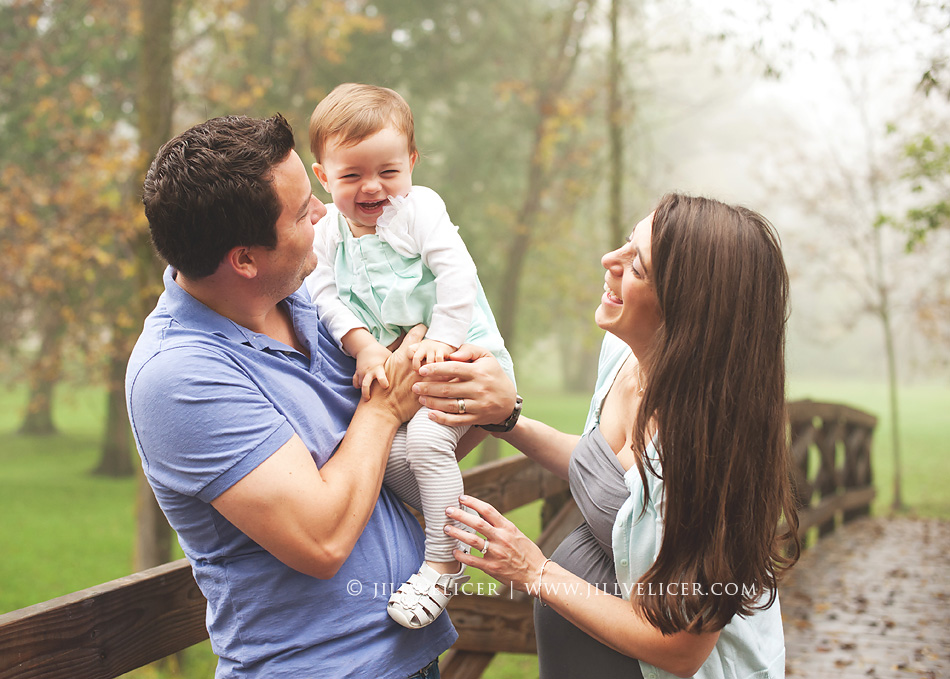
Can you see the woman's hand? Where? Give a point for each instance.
(508, 555)
(469, 388)
(511, 558)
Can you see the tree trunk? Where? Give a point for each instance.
(38, 419)
(153, 545)
(521, 241)
(517, 251)
(579, 363)
(890, 350)
(562, 66)
(555, 83)
(45, 372)
(116, 455)
(897, 503)
(155, 105)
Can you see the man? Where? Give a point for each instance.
(259, 450)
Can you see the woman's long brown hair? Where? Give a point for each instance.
(716, 394)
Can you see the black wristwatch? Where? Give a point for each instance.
(508, 424)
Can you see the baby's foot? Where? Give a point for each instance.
(422, 599)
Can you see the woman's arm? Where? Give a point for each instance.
(544, 444)
(473, 373)
(513, 558)
(616, 623)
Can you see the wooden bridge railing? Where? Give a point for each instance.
(831, 458)
(113, 628)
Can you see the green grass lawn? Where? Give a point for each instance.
(64, 529)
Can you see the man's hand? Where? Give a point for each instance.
(473, 375)
(430, 351)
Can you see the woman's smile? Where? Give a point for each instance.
(610, 297)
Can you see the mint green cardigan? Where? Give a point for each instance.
(749, 647)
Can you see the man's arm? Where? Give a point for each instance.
(311, 518)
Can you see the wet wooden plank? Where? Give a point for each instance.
(872, 600)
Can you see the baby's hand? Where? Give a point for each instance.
(370, 366)
(430, 351)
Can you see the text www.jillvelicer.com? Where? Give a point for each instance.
(547, 590)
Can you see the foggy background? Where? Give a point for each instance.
(550, 128)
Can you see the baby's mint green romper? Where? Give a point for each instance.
(382, 282)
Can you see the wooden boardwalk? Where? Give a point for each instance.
(871, 600)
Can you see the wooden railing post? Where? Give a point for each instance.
(802, 436)
(857, 469)
(826, 482)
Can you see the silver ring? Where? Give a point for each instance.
(461, 403)
(485, 548)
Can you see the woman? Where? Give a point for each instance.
(682, 474)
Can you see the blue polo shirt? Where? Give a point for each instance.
(209, 400)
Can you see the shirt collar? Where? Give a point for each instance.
(191, 313)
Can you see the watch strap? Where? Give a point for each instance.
(508, 424)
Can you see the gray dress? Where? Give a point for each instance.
(564, 651)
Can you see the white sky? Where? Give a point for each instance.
(729, 133)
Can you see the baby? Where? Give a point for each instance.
(390, 258)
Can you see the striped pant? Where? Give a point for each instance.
(423, 472)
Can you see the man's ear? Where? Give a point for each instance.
(242, 261)
(321, 175)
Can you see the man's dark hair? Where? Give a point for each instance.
(210, 189)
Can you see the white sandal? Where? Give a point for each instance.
(421, 600)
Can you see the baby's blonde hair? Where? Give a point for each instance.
(353, 111)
